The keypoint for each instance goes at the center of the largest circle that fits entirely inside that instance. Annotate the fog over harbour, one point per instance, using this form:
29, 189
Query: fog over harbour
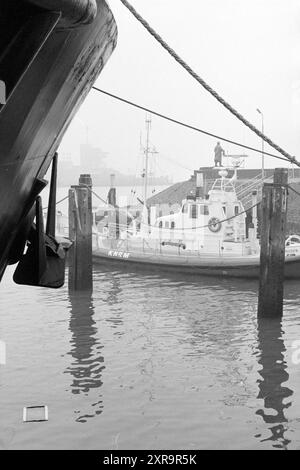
247, 51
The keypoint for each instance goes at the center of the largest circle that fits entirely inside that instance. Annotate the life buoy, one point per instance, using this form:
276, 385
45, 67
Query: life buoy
214, 225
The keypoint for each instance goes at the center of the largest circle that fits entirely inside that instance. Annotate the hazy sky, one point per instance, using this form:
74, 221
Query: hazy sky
248, 50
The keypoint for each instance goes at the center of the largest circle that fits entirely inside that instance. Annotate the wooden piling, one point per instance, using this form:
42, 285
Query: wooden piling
51, 216
254, 212
251, 221
113, 212
86, 181
80, 230
112, 194
272, 254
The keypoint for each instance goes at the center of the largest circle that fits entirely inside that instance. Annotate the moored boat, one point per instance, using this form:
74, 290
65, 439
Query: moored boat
207, 236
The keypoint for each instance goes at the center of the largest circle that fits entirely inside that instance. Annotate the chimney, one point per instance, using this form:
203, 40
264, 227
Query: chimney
199, 185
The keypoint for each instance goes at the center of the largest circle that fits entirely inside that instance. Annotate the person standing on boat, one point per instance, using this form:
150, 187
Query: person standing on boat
219, 152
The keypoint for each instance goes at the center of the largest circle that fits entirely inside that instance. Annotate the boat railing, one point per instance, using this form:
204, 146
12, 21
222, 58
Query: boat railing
247, 198
254, 184
243, 189
223, 184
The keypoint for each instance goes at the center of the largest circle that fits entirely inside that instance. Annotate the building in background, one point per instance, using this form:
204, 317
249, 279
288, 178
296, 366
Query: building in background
92, 161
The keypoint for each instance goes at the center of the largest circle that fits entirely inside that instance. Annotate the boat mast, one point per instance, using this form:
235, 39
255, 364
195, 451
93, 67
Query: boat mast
147, 151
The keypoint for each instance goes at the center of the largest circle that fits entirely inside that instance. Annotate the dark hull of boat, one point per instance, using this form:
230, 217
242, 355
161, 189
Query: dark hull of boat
193, 265
48, 66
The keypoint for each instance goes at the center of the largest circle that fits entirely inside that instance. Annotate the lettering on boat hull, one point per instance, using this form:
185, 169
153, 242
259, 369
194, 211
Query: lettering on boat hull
118, 254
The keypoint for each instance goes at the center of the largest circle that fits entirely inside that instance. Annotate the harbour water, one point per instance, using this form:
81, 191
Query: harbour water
149, 360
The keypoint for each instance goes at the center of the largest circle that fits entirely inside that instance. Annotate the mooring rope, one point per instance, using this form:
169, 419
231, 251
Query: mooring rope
107, 203
188, 126
203, 226
58, 202
155, 226
205, 85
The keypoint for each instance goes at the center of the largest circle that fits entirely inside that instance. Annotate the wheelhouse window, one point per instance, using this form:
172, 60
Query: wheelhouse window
224, 210
193, 211
236, 210
160, 224
204, 210
172, 225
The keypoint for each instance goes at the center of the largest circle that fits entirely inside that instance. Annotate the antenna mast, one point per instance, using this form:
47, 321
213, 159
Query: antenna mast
147, 151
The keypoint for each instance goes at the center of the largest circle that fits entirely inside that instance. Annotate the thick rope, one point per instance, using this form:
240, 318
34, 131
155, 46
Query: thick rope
106, 202
205, 85
188, 126
58, 202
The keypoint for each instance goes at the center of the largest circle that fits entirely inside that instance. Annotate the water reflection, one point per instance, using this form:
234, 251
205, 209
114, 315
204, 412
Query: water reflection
273, 374
88, 363
158, 276
112, 293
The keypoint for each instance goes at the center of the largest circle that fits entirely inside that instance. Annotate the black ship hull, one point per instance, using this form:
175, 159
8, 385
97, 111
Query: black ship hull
49, 60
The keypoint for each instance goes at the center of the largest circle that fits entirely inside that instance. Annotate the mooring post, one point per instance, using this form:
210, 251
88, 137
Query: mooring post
113, 212
272, 251
86, 181
254, 212
251, 227
51, 216
80, 231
